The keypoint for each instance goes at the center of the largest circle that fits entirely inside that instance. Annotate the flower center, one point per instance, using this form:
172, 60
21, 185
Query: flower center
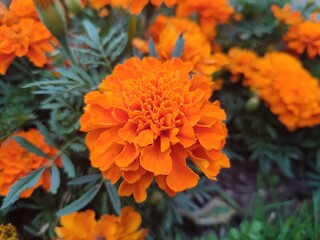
156, 102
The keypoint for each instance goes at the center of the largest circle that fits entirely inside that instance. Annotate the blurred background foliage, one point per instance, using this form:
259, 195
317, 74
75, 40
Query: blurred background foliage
271, 191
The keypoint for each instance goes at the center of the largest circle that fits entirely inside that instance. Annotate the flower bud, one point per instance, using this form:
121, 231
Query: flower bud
52, 15
252, 103
75, 6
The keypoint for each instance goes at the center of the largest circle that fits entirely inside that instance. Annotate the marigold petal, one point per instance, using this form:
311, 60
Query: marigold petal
130, 219
128, 132
212, 137
127, 156
155, 161
104, 160
187, 136
162, 183
181, 177
145, 138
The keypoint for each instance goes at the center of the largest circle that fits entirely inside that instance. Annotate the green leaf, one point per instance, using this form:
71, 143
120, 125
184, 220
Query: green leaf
55, 179
29, 146
80, 202
178, 48
84, 179
152, 48
44, 131
91, 31
68, 165
285, 166
114, 197
22, 184
116, 47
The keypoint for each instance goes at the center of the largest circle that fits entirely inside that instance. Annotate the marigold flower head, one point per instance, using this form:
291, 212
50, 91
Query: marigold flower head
147, 118
210, 12
304, 37
241, 62
134, 6
23, 34
8, 232
83, 226
289, 90
17, 162
285, 15
18, 10
197, 49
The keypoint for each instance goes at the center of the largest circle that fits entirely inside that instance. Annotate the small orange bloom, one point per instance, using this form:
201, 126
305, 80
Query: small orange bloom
146, 119
285, 15
197, 50
210, 13
134, 6
17, 162
241, 62
83, 226
23, 34
287, 88
304, 36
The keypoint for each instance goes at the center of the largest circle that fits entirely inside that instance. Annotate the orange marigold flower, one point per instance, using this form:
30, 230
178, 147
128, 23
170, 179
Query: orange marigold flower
23, 34
289, 90
17, 162
197, 49
285, 15
134, 6
83, 226
18, 10
210, 13
146, 119
304, 37
241, 62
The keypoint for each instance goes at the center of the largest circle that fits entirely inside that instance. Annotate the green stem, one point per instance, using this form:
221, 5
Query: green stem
65, 46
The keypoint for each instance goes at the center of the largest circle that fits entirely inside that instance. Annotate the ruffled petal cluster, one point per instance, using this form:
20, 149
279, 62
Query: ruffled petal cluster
286, 87
23, 34
210, 13
84, 226
241, 63
165, 31
17, 162
146, 119
304, 36
285, 15
134, 6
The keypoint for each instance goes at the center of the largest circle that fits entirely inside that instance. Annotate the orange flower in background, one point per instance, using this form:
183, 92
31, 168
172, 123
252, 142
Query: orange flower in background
17, 162
197, 50
27, 38
288, 89
23, 34
241, 62
304, 36
18, 10
134, 6
83, 226
146, 119
285, 15
210, 13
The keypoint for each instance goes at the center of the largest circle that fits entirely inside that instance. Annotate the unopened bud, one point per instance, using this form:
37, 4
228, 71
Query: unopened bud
52, 15
156, 197
252, 103
75, 6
